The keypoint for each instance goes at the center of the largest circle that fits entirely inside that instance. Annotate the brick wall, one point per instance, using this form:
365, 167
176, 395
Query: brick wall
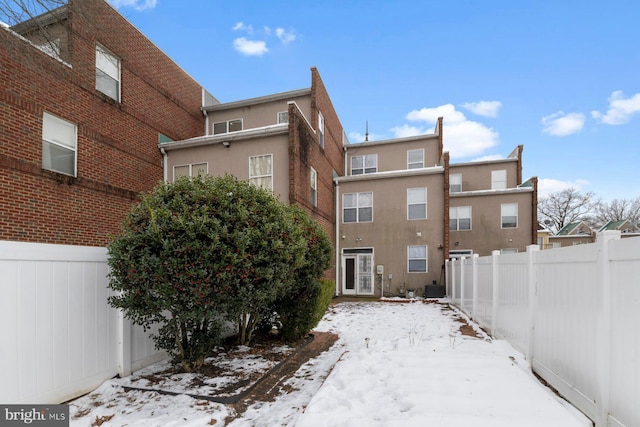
305, 152
117, 155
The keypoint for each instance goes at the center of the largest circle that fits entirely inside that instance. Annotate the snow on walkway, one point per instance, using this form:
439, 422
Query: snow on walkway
407, 365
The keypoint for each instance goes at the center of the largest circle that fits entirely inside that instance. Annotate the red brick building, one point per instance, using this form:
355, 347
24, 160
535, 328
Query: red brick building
82, 110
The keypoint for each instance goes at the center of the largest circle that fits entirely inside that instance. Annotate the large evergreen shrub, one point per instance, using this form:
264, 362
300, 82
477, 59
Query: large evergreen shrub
200, 251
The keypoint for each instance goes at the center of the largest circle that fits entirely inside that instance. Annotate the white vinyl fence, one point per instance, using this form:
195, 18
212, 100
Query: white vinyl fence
574, 312
59, 337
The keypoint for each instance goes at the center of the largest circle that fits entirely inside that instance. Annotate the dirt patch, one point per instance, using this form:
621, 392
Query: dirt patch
465, 328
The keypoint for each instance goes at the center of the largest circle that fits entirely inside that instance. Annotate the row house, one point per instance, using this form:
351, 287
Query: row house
84, 100
404, 209
290, 142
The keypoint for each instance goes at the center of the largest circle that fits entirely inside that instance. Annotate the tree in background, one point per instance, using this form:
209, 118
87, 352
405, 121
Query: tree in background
617, 210
564, 207
201, 251
29, 13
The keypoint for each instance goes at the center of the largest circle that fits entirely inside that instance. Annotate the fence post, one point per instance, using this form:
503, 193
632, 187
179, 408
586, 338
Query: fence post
124, 344
474, 286
531, 279
494, 292
603, 328
462, 280
453, 280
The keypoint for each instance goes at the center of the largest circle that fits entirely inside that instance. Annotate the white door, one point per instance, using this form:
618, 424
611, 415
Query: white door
357, 273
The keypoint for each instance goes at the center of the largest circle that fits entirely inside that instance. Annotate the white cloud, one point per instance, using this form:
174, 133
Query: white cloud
136, 4
355, 137
620, 109
483, 108
488, 158
561, 124
250, 47
547, 186
462, 137
285, 37
240, 26
406, 131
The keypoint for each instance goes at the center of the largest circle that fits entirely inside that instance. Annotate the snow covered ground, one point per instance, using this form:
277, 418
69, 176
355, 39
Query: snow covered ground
394, 365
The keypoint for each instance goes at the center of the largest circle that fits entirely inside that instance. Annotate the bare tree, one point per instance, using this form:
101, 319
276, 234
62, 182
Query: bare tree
13, 12
40, 21
617, 210
564, 207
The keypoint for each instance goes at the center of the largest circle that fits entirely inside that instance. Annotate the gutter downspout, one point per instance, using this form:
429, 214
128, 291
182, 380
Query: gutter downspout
206, 122
164, 163
338, 257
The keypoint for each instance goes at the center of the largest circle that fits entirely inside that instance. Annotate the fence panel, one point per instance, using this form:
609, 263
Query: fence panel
512, 322
60, 337
484, 308
625, 339
564, 344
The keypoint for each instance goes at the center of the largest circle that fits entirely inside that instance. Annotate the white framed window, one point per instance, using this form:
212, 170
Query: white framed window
195, 169
417, 203
227, 126
509, 251
59, 145
320, 129
509, 215
460, 218
499, 180
364, 164
415, 159
261, 171
283, 117
417, 259
357, 207
455, 183
107, 73
314, 186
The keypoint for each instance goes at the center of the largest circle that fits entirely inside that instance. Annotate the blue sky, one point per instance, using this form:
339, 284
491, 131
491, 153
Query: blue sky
560, 77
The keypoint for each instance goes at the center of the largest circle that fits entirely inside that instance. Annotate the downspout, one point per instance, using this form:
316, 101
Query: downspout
206, 122
337, 225
164, 163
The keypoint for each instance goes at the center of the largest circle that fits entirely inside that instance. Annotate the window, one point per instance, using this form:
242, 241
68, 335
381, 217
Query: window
283, 117
195, 169
228, 126
59, 145
460, 218
417, 256
320, 129
509, 213
314, 187
417, 203
107, 73
357, 207
261, 171
364, 164
455, 183
415, 159
499, 180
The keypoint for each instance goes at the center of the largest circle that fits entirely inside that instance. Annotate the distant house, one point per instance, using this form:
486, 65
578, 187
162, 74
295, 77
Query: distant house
574, 233
543, 237
626, 227
84, 100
